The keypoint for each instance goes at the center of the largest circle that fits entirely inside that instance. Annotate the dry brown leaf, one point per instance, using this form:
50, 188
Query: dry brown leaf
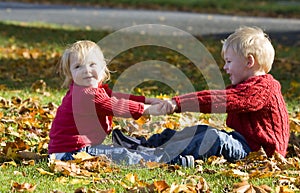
152, 165
242, 187
202, 185
23, 187
160, 185
266, 188
216, 160
180, 188
257, 156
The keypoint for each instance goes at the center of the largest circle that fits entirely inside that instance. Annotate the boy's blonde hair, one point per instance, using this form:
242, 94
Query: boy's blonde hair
251, 40
79, 49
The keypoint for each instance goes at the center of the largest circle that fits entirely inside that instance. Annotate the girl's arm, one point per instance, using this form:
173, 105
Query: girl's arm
106, 105
136, 98
120, 95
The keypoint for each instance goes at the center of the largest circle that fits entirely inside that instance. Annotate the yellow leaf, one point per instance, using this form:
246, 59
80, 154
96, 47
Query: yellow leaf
284, 189
131, 177
171, 124
82, 156
43, 172
5, 164
26, 54
79, 181
143, 119
62, 180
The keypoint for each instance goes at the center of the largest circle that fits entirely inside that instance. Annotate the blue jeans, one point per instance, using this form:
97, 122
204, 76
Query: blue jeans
119, 154
200, 141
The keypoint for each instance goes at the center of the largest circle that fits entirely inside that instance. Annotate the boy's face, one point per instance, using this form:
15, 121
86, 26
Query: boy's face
235, 66
89, 71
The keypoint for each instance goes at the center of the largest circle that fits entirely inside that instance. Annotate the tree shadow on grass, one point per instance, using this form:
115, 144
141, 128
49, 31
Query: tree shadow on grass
30, 53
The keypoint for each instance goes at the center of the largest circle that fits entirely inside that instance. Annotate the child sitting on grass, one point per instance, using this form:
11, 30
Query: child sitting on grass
255, 107
84, 118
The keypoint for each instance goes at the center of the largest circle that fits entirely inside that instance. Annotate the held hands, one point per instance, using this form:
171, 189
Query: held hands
152, 101
160, 107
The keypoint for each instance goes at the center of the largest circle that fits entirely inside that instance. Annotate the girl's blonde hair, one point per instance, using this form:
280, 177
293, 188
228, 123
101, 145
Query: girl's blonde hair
253, 41
79, 49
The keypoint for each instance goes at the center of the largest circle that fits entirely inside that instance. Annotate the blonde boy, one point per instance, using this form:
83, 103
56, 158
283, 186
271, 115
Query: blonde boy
253, 102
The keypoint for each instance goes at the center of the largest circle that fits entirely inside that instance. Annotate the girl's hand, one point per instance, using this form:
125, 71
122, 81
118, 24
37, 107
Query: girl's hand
152, 101
162, 108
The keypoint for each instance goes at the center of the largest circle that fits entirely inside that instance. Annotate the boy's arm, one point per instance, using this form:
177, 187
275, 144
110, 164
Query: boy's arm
245, 97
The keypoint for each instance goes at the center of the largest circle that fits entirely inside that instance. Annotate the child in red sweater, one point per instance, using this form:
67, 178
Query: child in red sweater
254, 104
84, 118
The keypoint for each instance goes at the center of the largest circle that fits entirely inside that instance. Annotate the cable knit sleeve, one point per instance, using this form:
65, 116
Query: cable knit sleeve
250, 95
123, 95
112, 106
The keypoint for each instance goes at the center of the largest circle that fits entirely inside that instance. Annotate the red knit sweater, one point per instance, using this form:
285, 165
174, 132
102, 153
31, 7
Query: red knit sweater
85, 116
255, 108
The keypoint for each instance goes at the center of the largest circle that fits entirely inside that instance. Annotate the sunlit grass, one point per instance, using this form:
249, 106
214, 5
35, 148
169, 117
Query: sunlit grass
48, 39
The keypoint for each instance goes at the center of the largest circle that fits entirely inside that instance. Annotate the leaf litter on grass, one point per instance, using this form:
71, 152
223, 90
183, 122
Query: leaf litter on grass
25, 123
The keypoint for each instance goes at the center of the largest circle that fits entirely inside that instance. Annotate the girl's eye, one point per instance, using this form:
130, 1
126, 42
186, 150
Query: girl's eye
93, 64
77, 66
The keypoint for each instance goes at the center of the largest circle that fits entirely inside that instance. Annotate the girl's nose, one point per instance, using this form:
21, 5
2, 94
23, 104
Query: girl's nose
225, 67
86, 69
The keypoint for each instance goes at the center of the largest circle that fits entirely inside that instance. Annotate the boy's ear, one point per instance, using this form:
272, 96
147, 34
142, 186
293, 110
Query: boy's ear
250, 61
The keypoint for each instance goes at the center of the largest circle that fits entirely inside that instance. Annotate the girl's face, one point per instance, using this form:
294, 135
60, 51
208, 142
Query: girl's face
235, 66
88, 71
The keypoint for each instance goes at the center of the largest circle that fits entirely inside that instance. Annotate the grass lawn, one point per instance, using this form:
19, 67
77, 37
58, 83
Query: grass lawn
29, 52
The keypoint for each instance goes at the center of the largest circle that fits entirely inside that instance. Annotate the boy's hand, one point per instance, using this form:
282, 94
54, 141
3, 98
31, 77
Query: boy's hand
170, 106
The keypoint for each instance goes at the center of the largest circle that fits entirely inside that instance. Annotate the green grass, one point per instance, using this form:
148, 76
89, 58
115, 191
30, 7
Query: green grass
19, 73
46, 183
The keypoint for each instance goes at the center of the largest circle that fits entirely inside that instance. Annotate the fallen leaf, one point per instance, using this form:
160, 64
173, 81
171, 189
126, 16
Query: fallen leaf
23, 187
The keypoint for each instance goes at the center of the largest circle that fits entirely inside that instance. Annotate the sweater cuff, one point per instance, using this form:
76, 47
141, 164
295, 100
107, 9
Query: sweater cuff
177, 100
136, 111
140, 99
